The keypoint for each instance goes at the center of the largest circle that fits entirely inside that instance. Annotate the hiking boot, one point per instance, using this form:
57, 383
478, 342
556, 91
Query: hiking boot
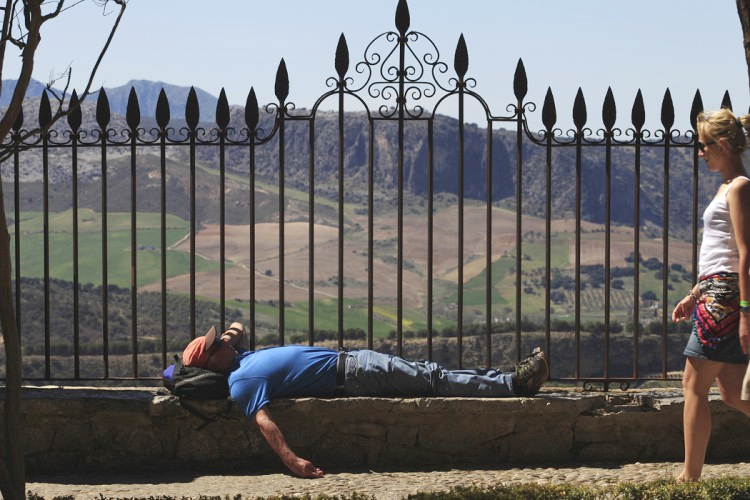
530, 374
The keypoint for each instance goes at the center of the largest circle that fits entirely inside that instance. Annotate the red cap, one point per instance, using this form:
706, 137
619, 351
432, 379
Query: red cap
196, 353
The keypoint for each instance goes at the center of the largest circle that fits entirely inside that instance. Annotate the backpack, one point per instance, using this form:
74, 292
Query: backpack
197, 384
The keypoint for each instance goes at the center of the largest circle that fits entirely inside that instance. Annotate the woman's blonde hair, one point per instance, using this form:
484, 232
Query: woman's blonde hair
723, 124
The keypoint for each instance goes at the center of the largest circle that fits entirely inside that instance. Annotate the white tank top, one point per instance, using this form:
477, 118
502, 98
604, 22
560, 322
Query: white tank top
718, 249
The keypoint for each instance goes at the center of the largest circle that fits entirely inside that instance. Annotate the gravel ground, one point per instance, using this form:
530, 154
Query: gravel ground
386, 485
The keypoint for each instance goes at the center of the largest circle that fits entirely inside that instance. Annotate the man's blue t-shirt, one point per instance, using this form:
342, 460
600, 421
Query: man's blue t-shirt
282, 372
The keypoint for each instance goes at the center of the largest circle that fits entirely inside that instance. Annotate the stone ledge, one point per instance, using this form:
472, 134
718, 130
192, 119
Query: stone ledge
124, 429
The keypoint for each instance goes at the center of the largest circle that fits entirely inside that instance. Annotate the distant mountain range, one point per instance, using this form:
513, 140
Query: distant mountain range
147, 92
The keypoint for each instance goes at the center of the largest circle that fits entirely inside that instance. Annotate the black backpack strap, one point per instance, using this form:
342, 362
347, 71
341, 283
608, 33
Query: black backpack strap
206, 418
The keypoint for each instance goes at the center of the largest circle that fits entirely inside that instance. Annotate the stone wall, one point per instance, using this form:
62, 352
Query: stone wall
82, 429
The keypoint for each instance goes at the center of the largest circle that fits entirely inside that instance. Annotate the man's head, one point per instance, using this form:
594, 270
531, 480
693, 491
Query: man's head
210, 352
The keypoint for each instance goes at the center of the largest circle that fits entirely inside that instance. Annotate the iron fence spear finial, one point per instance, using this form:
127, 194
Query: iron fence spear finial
520, 84
726, 102
667, 111
549, 113
281, 89
133, 111
222, 111
638, 115
45, 111
102, 110
252, 114
342, 58
162, 110
192, 112
696, 110
461, 59
75, 117
579, 110
402, 17
609, 111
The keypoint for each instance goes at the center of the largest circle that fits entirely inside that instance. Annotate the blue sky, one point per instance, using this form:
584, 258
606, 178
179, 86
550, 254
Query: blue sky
653, 45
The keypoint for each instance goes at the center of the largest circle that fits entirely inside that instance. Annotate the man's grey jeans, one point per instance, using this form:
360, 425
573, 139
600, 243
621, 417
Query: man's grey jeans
370, 373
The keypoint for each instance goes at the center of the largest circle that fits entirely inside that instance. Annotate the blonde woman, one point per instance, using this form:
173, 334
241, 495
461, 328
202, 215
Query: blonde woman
720, 340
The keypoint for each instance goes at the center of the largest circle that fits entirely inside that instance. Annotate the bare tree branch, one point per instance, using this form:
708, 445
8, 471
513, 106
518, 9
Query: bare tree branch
55, 13
16, 18
14, 466
122, 4
34, 21
7, 26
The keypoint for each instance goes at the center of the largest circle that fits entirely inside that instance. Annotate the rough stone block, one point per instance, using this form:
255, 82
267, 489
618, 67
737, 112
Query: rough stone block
136, 429
402, 435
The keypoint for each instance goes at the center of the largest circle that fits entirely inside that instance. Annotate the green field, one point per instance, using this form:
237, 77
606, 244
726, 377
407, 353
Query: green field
148, 244
355, 317
533, 266
445, 295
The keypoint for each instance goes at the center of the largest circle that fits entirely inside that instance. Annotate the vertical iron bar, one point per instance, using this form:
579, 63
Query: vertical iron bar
607, 246
488, 281
45, 203
251, 264
341, 221
460, 284
76, 306
548, 247
311, 238
637, 254
430, 229
579, 166
370, 232
191, 136
163, 237
401, 103
665, 259
222, 229
105, 270
282, 249
133, 256
519, 211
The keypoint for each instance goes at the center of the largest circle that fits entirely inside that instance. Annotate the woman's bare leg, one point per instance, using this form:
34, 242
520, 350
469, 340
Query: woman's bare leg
696, 382
730, 384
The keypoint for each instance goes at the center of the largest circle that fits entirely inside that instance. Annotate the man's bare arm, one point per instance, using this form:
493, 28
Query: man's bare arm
275, 439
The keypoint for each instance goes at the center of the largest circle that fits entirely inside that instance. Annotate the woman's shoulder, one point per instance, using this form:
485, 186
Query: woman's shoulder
740, 183
739, 190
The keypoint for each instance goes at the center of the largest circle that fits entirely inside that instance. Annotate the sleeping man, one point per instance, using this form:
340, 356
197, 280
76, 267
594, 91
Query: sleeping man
258, 377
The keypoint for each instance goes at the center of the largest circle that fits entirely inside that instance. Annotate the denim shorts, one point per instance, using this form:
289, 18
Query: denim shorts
726, 352
716, 321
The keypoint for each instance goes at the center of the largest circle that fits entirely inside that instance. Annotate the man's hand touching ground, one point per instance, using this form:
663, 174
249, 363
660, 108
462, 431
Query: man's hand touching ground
303, 468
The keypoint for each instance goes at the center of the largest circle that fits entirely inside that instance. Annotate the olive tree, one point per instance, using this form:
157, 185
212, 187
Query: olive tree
22, 27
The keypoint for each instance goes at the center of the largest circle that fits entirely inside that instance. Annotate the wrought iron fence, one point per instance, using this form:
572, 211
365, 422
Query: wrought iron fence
394, 101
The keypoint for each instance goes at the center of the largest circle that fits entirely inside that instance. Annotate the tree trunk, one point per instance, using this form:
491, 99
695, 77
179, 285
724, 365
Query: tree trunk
12, 470
743, 10
12, 466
